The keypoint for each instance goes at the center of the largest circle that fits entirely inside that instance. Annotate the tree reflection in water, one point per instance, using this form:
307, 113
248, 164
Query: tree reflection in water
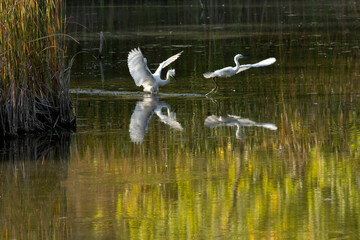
31, 171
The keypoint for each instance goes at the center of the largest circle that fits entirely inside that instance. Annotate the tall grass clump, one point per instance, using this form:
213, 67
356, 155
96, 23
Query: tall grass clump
35, 77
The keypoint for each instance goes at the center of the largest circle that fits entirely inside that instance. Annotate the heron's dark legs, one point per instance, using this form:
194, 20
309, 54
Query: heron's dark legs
216, 84
214, 90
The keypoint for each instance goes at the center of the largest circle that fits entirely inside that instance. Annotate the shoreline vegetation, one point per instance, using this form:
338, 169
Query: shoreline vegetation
34, 68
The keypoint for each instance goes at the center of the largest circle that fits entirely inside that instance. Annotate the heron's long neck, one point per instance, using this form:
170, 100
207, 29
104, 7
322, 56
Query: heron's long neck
237, 64
166, 81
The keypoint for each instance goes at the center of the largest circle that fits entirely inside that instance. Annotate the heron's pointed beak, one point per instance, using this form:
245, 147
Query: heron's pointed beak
175, 78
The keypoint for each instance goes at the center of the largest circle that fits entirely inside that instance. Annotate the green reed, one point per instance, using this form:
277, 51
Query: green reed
34, 86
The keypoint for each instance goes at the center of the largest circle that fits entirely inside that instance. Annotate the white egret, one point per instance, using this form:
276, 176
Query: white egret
143, 77
231, 71
142, 114
232, 120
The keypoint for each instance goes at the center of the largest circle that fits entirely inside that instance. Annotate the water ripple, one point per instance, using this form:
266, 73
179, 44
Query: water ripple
98, 92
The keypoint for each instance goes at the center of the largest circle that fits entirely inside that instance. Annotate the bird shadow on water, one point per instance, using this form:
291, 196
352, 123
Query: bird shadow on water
143, 112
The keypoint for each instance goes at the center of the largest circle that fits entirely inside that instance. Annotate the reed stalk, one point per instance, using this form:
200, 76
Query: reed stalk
35, 76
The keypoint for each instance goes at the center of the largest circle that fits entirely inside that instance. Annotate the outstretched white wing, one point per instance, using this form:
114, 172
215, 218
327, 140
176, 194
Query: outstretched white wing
138, 68
262, 63
166, 63
222, 73
210, 75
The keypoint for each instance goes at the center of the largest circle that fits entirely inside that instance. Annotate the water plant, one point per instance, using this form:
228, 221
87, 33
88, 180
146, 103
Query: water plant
34, 68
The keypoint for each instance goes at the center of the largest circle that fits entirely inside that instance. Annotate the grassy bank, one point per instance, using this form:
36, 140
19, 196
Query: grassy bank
35, 72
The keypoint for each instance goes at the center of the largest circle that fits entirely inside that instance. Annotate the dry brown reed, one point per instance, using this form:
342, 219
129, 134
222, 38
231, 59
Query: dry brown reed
34, 86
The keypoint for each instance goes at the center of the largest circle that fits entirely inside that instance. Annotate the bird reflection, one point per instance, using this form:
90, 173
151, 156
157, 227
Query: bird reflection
143, 112
232, 120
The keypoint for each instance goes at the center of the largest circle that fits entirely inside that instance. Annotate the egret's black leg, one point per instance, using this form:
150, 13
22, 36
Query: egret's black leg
216, 84
214, 89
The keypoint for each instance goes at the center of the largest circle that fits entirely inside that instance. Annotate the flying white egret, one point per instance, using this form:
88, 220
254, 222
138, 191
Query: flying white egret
143, 77
232, 120
142, 114
231, 71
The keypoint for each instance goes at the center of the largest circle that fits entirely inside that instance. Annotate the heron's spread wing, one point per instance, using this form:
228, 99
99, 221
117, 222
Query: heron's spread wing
209, 75
221, 73
138, 68
242, 69
262, 63
167, 62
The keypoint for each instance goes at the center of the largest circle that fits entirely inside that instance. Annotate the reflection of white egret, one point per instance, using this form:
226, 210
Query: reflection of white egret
231, 71
232, 120
140, 118
143, 77
170, 118
142, 114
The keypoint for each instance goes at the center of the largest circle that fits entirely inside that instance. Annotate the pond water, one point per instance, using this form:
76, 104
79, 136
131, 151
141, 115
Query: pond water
274, 154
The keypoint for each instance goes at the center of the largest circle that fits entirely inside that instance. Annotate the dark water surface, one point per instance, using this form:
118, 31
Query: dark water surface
274, 154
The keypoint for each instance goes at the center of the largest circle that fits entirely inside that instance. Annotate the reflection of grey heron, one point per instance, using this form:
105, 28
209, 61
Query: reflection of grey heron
232, 120
231, 71
142, 114
143, 77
